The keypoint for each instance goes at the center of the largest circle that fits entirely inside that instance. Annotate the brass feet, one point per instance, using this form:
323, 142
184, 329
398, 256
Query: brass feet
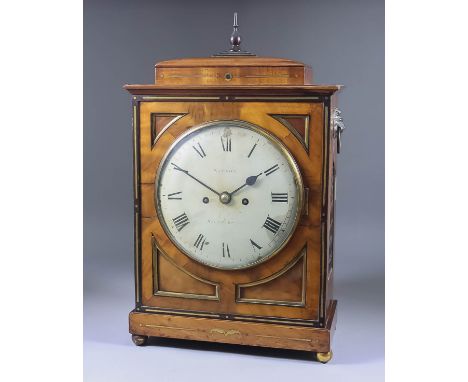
139, 340
324, 357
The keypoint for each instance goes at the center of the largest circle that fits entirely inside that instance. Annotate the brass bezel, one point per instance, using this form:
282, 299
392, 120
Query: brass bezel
276, 142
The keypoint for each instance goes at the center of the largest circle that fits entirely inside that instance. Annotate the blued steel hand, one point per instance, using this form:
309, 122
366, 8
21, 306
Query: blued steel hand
198, 180
250, 181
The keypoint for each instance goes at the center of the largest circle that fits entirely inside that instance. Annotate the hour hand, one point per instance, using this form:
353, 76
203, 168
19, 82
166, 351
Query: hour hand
250, 181
198, 180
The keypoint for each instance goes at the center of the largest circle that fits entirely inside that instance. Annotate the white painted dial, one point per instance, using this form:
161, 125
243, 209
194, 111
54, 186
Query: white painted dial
229, 195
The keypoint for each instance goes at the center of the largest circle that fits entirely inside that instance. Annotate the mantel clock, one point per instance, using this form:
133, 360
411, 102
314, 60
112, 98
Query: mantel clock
234, 184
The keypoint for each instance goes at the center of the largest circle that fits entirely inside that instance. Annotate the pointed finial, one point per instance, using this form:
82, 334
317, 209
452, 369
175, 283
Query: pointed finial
235, 36
235, 41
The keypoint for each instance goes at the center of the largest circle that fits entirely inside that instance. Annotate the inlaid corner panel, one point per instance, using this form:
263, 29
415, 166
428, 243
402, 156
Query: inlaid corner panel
286, 287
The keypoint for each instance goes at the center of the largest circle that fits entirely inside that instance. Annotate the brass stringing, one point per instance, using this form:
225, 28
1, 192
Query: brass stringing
156, 135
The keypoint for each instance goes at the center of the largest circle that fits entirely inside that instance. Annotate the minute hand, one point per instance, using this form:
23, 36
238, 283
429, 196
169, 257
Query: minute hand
198, 180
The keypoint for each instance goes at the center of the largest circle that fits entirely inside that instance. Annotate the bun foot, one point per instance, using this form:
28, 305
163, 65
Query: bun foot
324, 357
139, 340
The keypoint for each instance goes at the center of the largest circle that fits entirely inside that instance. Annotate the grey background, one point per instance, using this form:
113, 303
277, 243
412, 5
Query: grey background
344, 43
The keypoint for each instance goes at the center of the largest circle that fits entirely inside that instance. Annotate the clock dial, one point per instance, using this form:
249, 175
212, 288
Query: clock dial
229, 194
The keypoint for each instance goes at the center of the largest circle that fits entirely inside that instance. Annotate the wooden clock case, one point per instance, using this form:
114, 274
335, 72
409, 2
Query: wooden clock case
285, 302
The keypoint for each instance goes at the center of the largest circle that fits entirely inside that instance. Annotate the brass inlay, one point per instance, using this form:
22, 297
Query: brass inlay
283, 119
302, 255
232, 76
266, 98
178, 97
148, 309
167, 327
137, 215
253, 318
188, 76
175, 118
266, 76
288, 338
323, 227
135, 153
276, 321
226, 333
325, 154
246, 98
157, 292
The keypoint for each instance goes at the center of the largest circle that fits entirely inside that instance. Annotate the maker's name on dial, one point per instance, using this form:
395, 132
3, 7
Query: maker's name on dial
222, 221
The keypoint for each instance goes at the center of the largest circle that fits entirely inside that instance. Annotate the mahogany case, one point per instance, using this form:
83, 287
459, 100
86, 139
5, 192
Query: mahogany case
285, 302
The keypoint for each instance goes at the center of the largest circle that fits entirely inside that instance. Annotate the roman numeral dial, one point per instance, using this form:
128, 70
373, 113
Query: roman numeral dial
226, 143
200, 242
181, 221
252, 149
254, 244
279, 197
271, 170
227, 194
175, 196
226, 252
199, 150
272, 225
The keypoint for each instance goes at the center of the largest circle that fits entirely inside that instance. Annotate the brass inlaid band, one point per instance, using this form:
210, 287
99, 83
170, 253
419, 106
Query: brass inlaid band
323, 276
227, 333
167, 327
188, 76
177, 98
288, 338
312, 323
266, 98
325, 154
148, 309
266, 76
136, 214
217, 76
277, 321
